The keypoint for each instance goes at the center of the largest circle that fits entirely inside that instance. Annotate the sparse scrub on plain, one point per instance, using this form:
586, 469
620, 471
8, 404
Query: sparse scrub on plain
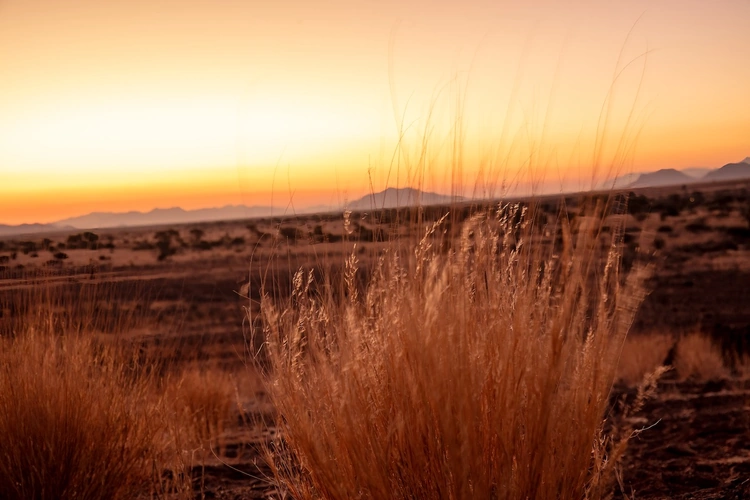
480, 372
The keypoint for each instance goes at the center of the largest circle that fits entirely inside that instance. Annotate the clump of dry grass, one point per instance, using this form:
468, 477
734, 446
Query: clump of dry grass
641, 355
203, 401
76, 420
696, 356
481, 372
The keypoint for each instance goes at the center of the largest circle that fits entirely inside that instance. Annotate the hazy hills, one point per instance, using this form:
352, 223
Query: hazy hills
663, 177
388, 198
156, 217
6, 230
160, 216
392, 198
672, 177
730, 172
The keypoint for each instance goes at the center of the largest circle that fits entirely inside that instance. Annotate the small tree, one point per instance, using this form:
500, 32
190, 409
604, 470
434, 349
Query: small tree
164, 243
196, 235
92, 240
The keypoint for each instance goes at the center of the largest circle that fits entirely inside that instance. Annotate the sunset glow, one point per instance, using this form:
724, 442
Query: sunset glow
117, 106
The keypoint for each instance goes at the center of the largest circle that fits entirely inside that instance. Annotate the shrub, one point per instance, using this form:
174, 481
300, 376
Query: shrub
28, 247
698, 227
638, 204
197, 234
204, 245
709, 246
738, 233
292, 233
483, 372
143, 245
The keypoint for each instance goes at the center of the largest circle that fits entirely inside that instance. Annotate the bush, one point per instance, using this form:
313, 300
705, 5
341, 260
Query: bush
292, 233
143, 245
738, 233
483, 372
698, 227
709, 246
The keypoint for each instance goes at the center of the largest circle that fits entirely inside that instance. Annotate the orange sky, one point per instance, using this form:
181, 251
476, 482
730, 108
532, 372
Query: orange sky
132, 105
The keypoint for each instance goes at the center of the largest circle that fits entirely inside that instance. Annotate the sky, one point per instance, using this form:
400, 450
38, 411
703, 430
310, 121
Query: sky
139, 104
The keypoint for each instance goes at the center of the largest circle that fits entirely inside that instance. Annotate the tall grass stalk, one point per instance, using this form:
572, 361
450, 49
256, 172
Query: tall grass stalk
480, 372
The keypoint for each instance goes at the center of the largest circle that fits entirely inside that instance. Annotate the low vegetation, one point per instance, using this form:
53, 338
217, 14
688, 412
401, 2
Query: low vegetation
642, 355
76, 420
483, 372
696, 356
85, 414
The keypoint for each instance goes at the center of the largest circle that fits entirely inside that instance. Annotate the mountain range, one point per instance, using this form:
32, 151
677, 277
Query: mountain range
672, 177
388, 198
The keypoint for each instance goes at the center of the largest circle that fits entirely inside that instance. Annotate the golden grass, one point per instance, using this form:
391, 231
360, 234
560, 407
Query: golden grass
204, 402
697, 356
76, 420
481, 372
641, 355
82, 414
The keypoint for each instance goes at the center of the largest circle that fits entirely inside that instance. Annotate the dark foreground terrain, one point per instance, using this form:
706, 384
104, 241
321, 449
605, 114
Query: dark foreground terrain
696, 446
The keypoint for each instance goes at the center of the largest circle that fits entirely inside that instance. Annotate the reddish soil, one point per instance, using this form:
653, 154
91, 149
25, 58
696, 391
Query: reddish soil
697, 443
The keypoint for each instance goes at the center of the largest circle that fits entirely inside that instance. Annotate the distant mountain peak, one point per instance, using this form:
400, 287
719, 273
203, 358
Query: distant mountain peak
730, 171
663, 177
399, 197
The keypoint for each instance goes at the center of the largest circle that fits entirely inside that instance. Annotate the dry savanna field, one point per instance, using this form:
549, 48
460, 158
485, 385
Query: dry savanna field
556, 347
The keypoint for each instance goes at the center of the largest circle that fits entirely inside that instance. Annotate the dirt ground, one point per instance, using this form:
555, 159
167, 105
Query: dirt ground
192, 297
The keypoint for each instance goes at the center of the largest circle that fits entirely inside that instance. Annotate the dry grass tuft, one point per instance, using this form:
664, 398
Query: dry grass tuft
696, 356
481, 372
642, 355
204, 402
76, 420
